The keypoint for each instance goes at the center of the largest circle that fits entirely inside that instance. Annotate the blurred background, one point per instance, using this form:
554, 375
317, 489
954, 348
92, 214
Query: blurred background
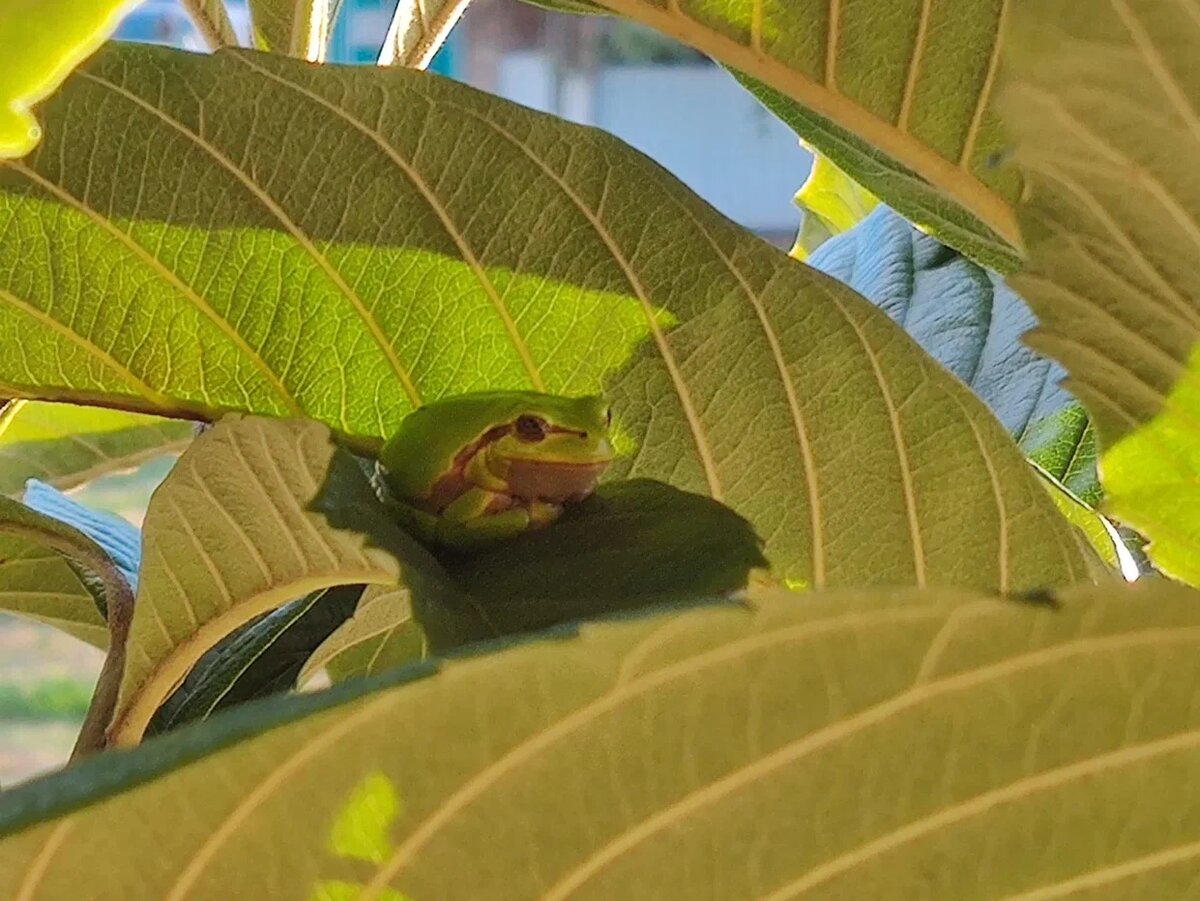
668, 101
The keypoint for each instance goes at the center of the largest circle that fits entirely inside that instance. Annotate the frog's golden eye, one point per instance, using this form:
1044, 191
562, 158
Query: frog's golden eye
531, 428
608, 416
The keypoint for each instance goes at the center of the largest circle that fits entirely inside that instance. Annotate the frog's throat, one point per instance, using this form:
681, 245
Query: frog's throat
534, 480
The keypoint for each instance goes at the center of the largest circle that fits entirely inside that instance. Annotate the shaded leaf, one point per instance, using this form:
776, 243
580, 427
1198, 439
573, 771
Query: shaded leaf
381, 634
263, 657
65, 445
53, 572
1110, 226
631, 544
919, 733
444, 241
970, 322
230, 535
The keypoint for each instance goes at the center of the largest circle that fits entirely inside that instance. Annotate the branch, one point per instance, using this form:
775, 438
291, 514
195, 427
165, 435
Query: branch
93, 733
414, 36
212, 22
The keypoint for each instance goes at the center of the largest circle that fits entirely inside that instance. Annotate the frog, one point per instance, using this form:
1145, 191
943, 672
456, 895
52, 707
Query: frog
472, 469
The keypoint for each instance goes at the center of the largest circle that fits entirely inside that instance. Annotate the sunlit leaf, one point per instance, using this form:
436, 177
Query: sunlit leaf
834, 746
830, 202
436, 240
1105, 98
41, 41
65, 445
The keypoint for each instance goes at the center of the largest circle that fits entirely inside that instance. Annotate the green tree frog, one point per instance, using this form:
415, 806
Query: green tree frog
479, 467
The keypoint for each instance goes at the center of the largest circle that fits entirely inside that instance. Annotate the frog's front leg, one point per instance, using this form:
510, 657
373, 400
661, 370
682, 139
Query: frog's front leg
466, 521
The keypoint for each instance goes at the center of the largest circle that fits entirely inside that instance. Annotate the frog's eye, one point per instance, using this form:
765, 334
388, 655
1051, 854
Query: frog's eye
531, 428
608, 416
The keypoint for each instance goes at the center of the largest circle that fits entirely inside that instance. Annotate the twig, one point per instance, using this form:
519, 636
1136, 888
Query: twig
119, 600
212, 21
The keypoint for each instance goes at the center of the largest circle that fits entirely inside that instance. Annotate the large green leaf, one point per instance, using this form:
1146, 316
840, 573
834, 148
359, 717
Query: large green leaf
40, 42
831, 747
436, 240
230, 535
1111, 227
54, 573
899, 94
66, 445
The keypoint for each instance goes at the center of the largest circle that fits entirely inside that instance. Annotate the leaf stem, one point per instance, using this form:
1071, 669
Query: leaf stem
93, 733
212, 22
413, 38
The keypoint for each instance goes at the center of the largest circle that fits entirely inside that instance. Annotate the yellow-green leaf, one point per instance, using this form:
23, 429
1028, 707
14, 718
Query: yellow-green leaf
846, 746
230, 535
898, 94
1105, 100
831, 202
65, 445
381, 634
345, 242
41, 41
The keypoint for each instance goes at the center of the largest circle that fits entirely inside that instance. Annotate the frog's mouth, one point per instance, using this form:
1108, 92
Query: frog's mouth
551, 482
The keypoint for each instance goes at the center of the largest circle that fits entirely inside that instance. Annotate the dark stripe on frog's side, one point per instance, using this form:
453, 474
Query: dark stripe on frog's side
562, 481
451, 486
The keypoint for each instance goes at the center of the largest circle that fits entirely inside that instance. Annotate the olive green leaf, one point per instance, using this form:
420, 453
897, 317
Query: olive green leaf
841, 745
65, 445
830, 202
23, 529
384, 265
54, 573
381, 634
1111, 229
230, 535
41, 41
972, 323
299, 28
899, 95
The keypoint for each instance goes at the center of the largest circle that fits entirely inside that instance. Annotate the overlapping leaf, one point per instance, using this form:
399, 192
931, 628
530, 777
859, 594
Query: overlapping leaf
65, 445
434, 240
970, 322
1107, 102
900, 95
230, 535
54, 573
381, 634
822, 747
